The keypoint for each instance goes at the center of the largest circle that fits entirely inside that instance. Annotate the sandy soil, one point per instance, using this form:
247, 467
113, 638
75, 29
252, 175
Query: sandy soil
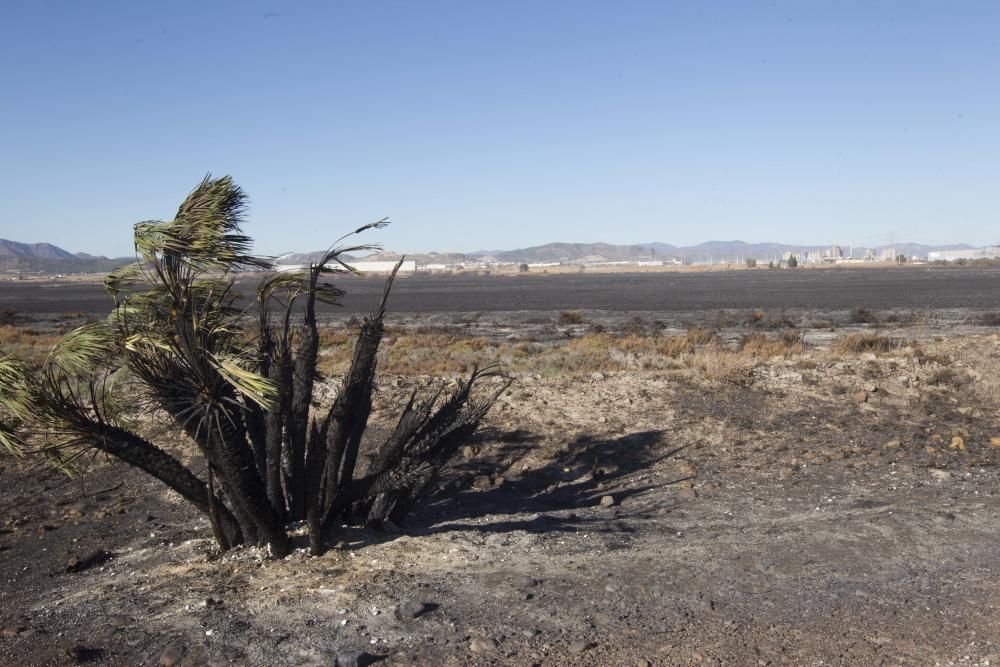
809, 511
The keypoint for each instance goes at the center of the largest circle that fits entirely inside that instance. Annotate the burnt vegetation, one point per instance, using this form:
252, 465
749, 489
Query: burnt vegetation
238, 382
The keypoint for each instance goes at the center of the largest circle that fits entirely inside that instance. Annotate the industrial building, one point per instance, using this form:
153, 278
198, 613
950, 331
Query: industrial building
992, 252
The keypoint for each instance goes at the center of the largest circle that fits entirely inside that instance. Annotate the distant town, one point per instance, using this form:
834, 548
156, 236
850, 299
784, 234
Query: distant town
833, 255
39, 260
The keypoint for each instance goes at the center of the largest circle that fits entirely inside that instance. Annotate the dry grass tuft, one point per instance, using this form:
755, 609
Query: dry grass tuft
444, 352
430, 351
25, 343
858, 343
948, 377
758, 345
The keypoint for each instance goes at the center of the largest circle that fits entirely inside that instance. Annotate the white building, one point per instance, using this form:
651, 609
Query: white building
408, 266
991, 252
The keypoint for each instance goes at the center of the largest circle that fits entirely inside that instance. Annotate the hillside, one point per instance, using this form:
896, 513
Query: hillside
46, 258
33, 250
703, 252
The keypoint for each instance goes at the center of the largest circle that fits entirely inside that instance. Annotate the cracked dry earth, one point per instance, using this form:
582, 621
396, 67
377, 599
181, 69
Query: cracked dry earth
780, 517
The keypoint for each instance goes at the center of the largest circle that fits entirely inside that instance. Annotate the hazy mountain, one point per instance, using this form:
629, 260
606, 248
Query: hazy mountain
575, 252
423, 257
33, 250
608, 252
296, 258
703, 252
301, 258
732, 250
46, 258
563, 252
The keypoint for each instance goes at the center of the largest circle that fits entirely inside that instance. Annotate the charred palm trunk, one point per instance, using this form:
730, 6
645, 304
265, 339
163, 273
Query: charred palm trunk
347, 421
235, 463
302, 387
234, 501
255, 423
339, 437
425, 439
148, 457
275, 435
316, 453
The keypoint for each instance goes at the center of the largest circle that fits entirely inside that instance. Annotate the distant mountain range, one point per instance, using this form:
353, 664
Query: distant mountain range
37, 250
296, 258
47, 258
703, 252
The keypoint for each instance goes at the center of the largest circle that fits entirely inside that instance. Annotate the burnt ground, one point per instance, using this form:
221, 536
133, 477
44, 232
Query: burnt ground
909, 288
773, 517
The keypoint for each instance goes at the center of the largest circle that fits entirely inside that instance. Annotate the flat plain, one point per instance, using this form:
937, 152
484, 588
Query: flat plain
916, 288
728, 468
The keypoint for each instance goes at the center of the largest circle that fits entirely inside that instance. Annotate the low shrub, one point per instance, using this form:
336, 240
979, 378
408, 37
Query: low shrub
948, 377
634, 327
857, 343
571, 317
862, 315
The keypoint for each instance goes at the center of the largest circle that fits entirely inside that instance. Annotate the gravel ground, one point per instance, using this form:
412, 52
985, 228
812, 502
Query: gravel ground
811, 511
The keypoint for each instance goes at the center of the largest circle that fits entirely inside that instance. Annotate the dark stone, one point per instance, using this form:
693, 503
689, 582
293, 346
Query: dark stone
354, 659
412, 609
172, 656
81, 563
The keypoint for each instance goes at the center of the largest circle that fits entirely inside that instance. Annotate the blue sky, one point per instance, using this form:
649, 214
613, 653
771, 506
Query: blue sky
482, 125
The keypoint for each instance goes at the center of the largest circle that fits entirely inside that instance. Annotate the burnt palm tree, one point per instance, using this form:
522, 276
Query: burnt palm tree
237, 382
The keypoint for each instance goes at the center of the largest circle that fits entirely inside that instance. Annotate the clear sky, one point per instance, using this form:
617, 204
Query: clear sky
495, 125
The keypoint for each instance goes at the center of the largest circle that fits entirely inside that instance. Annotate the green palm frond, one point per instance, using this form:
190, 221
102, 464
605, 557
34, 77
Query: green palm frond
205, 234
10, 441
115, 395
144, 342
15, 388
85, 350
148, 239
63, 457
206, 230
122, 279
15, 403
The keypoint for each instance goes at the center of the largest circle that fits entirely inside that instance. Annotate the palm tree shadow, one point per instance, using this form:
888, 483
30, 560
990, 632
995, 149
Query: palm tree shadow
564, 493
